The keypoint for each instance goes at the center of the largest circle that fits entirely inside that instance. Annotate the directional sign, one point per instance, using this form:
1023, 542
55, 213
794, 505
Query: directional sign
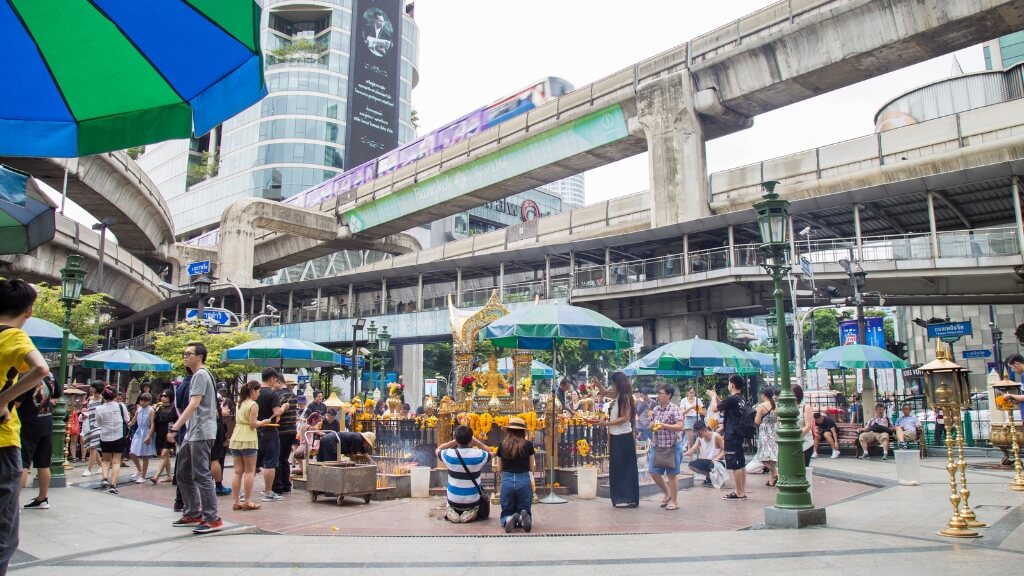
214, 315
950, 330
983, 353
430, 386
197, 268
805, 266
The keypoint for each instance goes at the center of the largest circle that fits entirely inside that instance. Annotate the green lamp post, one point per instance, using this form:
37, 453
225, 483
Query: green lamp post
773, 223
371, 343
383, 344
72, 277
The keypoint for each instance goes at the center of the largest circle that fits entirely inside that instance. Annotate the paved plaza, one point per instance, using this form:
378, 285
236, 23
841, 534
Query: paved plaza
873, 525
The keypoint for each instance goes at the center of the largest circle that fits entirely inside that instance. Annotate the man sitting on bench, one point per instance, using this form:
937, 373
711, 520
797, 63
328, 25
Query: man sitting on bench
876, 431
907, 428
828, 431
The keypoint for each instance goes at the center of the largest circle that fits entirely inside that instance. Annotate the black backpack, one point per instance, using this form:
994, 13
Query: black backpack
748, 425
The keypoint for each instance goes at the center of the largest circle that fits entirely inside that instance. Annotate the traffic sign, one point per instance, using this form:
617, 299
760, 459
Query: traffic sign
214, 315
197, 268
950, 330
983, 353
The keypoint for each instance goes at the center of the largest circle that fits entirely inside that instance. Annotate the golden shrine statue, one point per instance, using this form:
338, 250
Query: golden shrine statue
492, 382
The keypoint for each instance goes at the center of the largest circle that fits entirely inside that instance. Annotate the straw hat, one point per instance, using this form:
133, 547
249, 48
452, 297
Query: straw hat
515, 423
370, 438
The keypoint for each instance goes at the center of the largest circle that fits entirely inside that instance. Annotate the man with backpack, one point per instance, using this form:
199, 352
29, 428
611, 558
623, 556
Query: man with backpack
738, 426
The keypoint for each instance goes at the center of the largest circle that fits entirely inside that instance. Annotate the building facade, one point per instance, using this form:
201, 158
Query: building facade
1004, 52
316, 55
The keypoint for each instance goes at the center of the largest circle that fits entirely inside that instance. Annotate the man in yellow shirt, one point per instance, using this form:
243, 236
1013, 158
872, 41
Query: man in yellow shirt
17, 355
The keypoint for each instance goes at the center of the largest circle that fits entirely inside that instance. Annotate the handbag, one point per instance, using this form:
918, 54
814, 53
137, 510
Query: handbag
483, 510
880, 429
124, 421
665, 457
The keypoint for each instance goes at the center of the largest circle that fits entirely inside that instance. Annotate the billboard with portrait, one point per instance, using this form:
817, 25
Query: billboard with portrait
374, 78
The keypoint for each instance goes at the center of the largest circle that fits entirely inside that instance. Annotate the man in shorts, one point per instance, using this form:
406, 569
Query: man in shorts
907, 427
827, 431
270, 409
36, 441
731, 410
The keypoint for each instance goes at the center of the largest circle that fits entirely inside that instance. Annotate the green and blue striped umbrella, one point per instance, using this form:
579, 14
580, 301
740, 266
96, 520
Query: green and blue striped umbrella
853, 356
696, 354
25, 222
283, 353
126, 360
88, 76
48, 337
538, 369
540, 327
764, 362
634, 369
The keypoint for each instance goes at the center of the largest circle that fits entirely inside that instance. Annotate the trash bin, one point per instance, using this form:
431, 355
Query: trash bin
908, 467
420, 481
586, 483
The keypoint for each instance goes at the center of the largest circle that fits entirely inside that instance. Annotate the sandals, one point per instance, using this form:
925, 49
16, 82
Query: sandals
671, 507
665, 502
772, 482
251, 506
733, 496
236, 506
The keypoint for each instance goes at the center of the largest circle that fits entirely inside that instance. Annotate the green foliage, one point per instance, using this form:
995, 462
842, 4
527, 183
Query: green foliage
826, 327
135, 151
303, 47
49, 307
437, 359
170, 346
200, 168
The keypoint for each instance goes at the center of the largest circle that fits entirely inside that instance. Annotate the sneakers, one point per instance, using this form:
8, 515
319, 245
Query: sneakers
271, 497
525, 520
835, 455
223, 491
87, 473
814, 454
902, 446
112, 490
885, 456
207, 527
105, 484
510, 523
37, 504
862, 457
707, 483
133, 477
140, 480
186, 521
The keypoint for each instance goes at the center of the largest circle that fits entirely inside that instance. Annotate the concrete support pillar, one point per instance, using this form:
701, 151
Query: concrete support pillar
675, 142
1015, 189
794, 255
932, 226
263, 304
419, 292
409, 364
607, 266
353, 310
572, 274
319, 295
383, 296
501, 282
291, 302
856, 231
547, 276
458, 287
686, 253
145, 327
732, 246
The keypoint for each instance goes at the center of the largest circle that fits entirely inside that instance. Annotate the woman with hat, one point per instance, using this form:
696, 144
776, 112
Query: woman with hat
623, 478
348, 443
516, 464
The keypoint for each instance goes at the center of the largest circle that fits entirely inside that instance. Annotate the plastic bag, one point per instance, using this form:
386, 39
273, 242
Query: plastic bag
754, 466
718, 474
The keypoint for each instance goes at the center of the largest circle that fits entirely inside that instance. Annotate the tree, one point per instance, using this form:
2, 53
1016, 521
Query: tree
84, 315
437, 359
300, 49
826, 328
170, 346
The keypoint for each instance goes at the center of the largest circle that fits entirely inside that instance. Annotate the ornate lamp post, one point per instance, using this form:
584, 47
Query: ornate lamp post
371, 344
773, 223
201, 289
72, 277
356, 327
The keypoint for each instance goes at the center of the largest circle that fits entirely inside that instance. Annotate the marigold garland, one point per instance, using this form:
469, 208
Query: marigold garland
583, 447
1005, 403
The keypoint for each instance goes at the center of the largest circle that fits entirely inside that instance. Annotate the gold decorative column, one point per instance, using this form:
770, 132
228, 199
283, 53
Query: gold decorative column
1009, 405
945, 383
966, 513
1017, 483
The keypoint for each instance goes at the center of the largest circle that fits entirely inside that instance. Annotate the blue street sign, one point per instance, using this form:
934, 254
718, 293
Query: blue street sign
214, 315
874, 332
197, 268
303, 378
805, 266
983, 353
950, 329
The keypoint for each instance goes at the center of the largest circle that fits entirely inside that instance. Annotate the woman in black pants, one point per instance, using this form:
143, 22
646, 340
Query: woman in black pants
623, 479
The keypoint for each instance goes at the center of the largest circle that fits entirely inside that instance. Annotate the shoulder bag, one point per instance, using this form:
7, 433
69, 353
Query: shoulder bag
483, 511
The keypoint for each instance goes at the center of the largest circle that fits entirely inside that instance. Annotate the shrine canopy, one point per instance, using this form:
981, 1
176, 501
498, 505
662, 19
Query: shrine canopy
542, 326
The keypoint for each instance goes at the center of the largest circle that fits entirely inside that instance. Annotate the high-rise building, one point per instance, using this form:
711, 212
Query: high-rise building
1004, 52
340, 75
571, 190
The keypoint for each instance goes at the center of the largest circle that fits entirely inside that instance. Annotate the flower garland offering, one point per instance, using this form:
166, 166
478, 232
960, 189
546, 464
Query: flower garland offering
1005, 403
583, 447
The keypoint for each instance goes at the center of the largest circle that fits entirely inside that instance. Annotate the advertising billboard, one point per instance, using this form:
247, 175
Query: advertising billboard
374, 77
874, 332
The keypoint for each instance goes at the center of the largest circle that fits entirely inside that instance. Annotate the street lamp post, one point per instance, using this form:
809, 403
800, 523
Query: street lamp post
72, 277
355, 365
793, 503
371, 345
383, 343
201, 289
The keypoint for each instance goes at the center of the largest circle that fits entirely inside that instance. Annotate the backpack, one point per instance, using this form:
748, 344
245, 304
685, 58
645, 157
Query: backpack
748, 426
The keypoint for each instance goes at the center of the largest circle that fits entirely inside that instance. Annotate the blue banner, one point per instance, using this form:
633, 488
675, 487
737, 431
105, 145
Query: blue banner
874, 332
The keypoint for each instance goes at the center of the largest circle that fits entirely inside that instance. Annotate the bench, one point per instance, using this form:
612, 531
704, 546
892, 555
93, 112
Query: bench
848, 434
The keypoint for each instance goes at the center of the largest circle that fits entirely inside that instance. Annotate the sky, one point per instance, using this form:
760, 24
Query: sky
473, 52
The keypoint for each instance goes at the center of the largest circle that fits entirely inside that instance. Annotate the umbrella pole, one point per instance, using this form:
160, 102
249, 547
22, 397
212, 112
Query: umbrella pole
552, 498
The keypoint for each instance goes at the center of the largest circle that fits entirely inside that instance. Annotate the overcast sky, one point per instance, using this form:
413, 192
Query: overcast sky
473, 52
